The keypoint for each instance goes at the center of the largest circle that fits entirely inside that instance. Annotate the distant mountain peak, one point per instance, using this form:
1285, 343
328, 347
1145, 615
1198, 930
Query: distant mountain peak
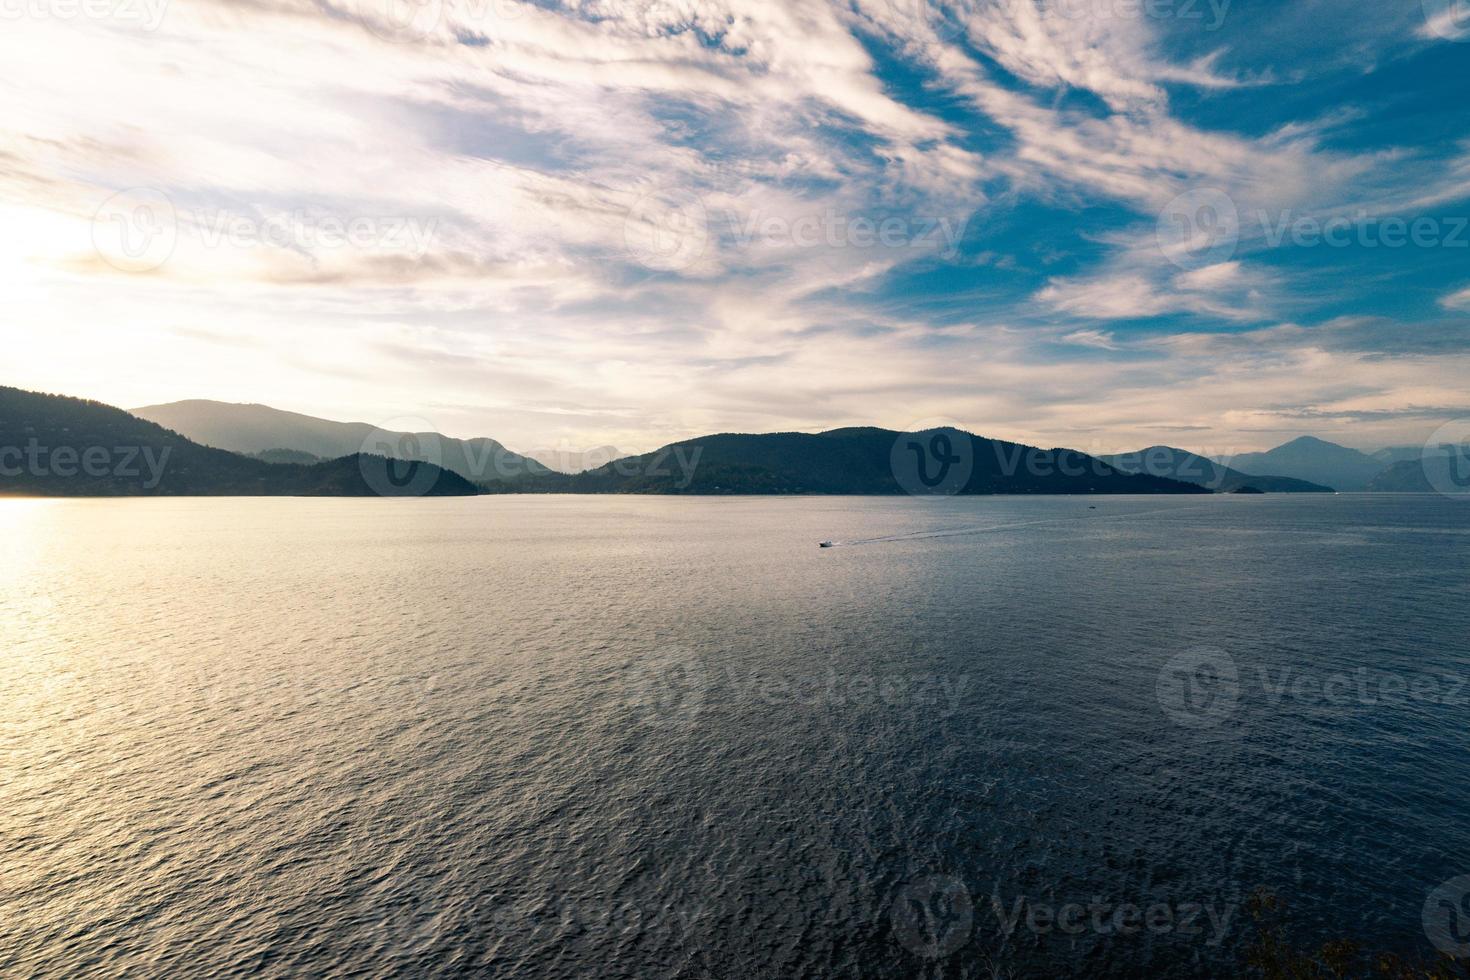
252, 429
1313, 459
1313, 441
122, 454
1181, 464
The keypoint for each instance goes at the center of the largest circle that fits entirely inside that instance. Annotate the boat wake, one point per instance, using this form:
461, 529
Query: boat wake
949, 532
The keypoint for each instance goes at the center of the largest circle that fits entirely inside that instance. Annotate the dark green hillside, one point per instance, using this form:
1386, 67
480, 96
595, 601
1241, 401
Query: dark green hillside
295, 456
52, 445
850, 461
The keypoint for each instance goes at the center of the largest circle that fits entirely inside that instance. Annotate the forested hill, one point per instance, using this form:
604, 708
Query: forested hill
53, 445
851, 461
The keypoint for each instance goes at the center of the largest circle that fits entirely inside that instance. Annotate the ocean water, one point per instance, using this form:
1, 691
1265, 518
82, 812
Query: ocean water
655, 737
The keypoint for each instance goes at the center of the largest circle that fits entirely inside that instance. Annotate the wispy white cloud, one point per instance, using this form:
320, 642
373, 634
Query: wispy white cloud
637, 219
1101, 339
1459, 300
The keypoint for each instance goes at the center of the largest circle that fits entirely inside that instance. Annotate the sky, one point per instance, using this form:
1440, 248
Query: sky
1104, 224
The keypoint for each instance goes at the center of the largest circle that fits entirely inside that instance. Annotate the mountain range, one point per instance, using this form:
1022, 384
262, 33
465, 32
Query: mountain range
43, 436
224, 448
1302, 466
52, 445
1180, 464
1312, 459
1438, 471
862, 460
272, 434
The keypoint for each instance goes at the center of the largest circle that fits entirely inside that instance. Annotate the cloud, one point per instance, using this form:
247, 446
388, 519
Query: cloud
1444, 20
1114, 298
1210, 277
644, 221
1140, 285
1459, 300
1100, 339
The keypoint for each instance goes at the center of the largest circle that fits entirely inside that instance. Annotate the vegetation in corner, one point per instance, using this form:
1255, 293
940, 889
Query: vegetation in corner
1274, 956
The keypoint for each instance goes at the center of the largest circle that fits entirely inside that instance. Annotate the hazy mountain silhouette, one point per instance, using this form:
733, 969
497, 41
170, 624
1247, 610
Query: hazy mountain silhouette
1442, 471
52, 445
1398, 454
851, 461
286, 456
567, 461
260, 428
1180, 464
1311, 459
55, 445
